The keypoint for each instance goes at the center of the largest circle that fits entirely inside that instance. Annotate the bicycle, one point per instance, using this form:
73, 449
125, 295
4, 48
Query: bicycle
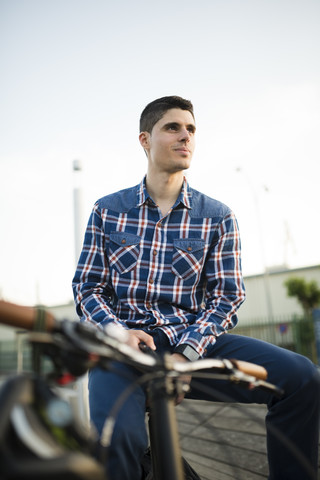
39, 437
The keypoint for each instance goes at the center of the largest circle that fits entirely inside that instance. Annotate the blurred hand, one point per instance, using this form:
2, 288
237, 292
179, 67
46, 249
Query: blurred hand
135, 337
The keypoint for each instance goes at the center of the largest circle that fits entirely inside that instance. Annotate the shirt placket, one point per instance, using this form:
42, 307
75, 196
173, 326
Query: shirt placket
154, 264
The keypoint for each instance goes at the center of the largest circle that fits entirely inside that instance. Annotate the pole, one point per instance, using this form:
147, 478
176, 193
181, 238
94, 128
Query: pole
82, 383
78, 209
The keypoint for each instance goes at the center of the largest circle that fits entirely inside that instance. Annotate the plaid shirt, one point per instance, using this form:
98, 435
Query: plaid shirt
180, 273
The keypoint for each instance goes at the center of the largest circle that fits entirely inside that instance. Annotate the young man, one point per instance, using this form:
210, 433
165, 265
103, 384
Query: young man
163, 261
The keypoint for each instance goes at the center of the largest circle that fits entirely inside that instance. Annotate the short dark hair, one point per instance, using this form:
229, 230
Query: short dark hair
155, 110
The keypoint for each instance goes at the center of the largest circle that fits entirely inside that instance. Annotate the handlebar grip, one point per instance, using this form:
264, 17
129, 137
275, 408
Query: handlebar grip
251, 369
24, 317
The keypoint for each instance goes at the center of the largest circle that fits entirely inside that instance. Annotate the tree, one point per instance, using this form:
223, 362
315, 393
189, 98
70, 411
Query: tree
307, 293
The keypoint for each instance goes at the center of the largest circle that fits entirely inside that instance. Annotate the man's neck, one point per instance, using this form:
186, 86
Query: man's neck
164, 189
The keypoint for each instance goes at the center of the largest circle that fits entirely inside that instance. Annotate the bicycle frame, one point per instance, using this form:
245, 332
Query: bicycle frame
164, 439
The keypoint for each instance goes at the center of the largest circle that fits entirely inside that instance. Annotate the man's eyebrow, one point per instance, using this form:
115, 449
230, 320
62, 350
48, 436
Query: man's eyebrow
170, 125
190, 126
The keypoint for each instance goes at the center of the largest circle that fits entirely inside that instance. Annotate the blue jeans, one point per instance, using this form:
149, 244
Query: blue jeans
292, 422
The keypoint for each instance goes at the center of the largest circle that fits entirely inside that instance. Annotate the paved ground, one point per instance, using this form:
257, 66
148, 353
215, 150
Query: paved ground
224, 441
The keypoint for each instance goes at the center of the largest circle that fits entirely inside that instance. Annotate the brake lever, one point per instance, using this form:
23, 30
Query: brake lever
269, 387
249, 381
145, 349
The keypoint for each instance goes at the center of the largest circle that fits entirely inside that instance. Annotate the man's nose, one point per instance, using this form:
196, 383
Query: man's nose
185, 134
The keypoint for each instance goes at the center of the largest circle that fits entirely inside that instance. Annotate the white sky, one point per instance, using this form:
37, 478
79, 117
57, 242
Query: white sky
75, 76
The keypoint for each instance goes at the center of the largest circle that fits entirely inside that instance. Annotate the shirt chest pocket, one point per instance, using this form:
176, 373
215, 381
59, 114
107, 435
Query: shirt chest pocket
187, 258
124, 251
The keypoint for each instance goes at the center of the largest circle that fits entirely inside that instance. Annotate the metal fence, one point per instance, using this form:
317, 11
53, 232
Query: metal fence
15, 355
294, 333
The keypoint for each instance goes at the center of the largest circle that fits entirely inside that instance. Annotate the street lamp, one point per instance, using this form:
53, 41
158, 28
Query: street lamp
261, 242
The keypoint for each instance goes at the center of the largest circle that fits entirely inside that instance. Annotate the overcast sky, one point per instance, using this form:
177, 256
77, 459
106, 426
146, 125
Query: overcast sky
75, 76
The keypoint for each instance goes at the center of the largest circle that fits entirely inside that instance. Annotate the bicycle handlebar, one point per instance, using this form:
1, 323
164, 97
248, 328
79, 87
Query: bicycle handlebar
100, 346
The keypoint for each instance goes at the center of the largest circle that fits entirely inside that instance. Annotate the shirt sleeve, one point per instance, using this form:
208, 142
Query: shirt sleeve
91, 290
225, 290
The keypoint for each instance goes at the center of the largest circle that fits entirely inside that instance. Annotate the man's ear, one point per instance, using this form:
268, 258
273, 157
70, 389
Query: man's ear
144, 139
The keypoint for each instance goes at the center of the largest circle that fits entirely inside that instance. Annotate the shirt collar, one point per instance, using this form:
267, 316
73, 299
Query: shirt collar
143, 195
185, 196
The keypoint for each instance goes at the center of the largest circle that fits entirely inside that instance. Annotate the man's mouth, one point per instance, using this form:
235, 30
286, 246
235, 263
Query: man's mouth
182, 150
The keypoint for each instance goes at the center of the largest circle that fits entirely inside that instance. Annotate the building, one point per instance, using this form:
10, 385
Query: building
267, 296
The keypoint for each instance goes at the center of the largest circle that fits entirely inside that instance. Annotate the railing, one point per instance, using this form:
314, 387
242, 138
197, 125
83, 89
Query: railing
294, 333
15, 355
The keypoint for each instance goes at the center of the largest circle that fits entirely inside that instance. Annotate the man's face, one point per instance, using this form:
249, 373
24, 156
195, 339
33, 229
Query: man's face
171, 143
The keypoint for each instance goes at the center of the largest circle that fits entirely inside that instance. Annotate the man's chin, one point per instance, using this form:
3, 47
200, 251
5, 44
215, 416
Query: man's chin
177, 169
184, 164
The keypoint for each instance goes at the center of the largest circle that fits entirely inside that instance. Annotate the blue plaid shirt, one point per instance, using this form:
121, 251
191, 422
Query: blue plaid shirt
180, 273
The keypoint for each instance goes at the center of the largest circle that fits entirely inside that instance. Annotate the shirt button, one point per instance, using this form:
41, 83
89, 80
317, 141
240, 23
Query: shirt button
123, 240
151, 281
189, 249
155, 253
